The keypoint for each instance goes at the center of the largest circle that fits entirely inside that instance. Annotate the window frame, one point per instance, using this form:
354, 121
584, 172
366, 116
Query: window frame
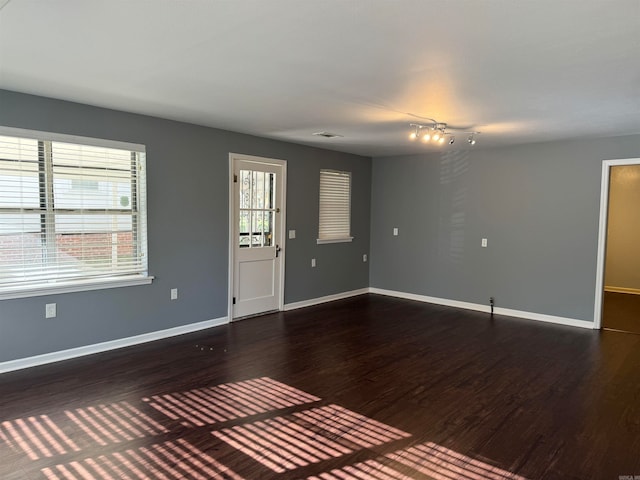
12, 291
334, 239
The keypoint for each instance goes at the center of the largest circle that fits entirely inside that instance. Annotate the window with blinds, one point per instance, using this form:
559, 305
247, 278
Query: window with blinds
335, 207
70, 212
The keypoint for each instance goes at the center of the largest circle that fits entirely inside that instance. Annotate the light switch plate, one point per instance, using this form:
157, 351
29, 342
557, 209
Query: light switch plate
395, 231
50, 310
174, 294
292, 234
484, 242
313, 262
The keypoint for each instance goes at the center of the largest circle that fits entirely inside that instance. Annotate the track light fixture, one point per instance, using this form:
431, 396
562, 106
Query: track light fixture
437, 131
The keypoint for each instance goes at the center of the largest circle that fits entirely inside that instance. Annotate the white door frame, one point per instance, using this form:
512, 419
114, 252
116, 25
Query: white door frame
602, 233
281, 228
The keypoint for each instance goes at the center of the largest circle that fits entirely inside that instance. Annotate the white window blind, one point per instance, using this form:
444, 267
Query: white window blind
335, 207
70, 212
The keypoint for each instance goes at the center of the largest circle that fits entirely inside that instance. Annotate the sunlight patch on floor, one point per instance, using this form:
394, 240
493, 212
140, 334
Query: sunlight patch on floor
229, 401
37, 437
169, 460
297, 440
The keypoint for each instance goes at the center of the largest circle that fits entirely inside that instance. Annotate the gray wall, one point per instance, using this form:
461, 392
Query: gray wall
187, 175
538, 206
623, 228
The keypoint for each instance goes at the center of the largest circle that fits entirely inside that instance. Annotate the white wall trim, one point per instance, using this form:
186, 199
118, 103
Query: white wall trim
328, 298
633, 291
61, 355
52, 357
602, 233
540, 317
74, 286
321, 241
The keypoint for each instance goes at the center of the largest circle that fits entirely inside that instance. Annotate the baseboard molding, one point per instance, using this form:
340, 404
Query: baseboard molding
633, 291
52, 357
328, 298
540, 317
61, 355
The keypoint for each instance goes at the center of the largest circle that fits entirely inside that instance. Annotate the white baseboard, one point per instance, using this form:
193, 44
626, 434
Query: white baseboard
52, 357
540, 317
633, 291
328, 298
110, 345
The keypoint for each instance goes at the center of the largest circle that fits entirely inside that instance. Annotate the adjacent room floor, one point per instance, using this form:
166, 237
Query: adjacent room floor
621, 311
370, 387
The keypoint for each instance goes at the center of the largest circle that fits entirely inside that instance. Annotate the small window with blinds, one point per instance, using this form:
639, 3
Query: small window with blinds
335, 207
72, 214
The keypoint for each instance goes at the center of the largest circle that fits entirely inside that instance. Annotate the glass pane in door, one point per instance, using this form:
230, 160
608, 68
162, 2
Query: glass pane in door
257, 209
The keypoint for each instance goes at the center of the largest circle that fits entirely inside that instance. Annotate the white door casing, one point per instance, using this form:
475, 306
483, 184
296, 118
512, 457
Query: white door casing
257, 227
602, 233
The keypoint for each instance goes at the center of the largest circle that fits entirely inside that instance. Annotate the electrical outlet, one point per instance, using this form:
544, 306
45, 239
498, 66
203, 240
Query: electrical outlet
313, 262
364, 257
174, 294
484, 243
50, 310
395, 231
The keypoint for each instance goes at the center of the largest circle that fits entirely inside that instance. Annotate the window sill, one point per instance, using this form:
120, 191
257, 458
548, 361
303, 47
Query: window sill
334, 240
72, 286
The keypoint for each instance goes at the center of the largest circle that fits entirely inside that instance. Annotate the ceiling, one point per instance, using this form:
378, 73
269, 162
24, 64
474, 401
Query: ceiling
517, 71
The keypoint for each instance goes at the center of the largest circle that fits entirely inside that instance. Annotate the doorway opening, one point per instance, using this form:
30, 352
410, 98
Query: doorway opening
617, 304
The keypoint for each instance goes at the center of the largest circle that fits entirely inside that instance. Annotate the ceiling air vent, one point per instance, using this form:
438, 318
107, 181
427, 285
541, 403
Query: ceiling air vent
326, 135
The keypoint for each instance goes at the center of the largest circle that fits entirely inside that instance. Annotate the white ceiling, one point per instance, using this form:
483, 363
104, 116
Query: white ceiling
518, 71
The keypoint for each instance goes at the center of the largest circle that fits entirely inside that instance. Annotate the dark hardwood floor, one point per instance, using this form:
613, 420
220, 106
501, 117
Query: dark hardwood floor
370, 387
621, 311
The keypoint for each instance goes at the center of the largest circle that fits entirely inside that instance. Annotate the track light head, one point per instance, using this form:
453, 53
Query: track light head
441, 139
426, 137
436, 136
471, 139
413, 135
451, 140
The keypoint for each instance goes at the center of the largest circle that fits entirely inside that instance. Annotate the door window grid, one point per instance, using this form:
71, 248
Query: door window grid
257, 209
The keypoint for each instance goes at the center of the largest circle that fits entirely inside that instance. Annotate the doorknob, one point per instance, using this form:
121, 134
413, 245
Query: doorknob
278, 250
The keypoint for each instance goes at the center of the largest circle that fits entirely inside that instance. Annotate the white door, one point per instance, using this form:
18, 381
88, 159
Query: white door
259, 226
